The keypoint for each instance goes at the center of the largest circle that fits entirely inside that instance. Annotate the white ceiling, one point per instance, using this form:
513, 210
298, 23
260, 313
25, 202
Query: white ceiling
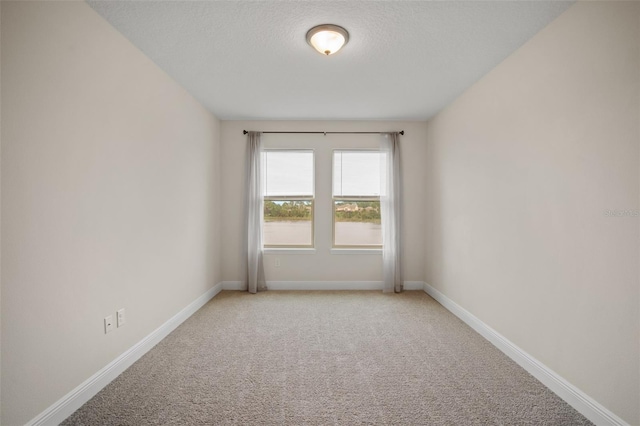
405, 59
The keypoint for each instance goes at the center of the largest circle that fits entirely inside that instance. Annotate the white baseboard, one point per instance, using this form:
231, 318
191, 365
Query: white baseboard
233, 285
323, 285
583, 403
414, 285
66, 405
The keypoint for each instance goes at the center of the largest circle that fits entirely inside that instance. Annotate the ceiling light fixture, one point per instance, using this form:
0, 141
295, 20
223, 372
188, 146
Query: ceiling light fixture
327, 38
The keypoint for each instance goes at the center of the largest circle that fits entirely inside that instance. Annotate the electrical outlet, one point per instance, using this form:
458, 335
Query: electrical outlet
108, 324
120, 317
277, 262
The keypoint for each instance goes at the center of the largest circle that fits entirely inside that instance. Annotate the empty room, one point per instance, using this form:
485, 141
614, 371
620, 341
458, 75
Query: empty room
319, 212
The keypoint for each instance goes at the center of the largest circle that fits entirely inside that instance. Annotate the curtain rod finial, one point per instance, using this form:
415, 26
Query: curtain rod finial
244, 132
401, 132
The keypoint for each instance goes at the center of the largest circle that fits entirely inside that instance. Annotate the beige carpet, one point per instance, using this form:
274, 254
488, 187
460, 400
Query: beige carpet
351, 357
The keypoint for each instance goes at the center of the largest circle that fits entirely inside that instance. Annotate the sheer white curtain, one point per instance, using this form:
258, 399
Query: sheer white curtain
390, 212
255, 213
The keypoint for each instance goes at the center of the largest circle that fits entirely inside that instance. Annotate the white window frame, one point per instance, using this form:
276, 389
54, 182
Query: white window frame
311, 198
338, 248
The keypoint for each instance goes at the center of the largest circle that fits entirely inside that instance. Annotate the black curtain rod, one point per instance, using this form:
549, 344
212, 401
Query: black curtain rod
244, 132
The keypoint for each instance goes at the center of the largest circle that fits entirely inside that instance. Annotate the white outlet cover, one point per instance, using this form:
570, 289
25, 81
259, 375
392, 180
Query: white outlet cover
121, 317
108, 324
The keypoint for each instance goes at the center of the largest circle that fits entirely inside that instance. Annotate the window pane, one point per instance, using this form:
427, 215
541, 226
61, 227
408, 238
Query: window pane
288, 173
288, 223
357, 223
356, 173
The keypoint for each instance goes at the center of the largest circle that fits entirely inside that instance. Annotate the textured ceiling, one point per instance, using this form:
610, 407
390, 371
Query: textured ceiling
250, 60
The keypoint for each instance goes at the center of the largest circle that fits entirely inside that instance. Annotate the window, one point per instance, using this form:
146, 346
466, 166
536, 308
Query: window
289, 194
356, 199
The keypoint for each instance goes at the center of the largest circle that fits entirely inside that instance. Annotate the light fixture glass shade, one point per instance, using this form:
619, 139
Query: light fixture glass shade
327, 39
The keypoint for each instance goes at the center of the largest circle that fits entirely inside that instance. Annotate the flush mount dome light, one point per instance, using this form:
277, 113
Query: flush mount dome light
327, 39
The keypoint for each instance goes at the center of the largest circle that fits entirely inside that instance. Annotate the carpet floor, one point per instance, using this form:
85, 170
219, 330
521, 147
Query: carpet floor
326, 358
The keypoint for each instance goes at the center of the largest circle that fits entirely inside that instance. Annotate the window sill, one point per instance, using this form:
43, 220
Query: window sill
289, 251
375, 251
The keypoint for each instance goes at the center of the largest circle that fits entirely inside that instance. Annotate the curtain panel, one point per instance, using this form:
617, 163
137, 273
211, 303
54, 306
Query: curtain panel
390, 213
255, 212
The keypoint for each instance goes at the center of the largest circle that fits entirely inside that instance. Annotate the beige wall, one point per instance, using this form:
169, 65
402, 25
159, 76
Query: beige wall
322, 266
520, 170
109, 199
